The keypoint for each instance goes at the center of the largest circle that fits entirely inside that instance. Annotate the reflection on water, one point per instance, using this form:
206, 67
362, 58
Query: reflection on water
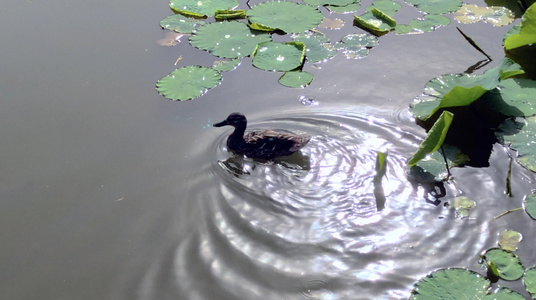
307, 227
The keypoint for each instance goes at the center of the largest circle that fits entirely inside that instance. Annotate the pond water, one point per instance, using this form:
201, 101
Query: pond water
110, 191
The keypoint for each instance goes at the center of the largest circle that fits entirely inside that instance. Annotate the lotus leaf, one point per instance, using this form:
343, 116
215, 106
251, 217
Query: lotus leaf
530, 281
317, 46
228, 39
289, 17
226, 14
434, 163
503, 293
188, 82
429, 23
496, 15
328, 2
451, 284
357, 45
376, 23
527, 33
434, 139
180, 23
436, 6
200, 8
503, 264
273, 56
520, 93
509, 239
520, 134
386, 6
530, 208
224, 66
350, 8
296, 79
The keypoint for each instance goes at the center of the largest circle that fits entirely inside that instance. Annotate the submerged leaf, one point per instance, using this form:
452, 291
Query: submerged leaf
188, 82
434, 139
273, 56
509, 239
200, 8
504, 264
451, 284
289, 17
463, 205
228, 39
496, 15
296, 79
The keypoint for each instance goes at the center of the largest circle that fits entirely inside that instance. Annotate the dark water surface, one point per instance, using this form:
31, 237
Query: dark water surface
110, 191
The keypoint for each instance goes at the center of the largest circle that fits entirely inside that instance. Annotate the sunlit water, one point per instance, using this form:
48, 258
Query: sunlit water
307, 226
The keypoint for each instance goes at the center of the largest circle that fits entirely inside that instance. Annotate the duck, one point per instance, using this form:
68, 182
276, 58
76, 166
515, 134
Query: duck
267, 144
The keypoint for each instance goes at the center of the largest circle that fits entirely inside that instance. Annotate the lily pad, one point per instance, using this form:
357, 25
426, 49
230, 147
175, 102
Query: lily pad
527, 33
503, 293
429, 23
463, 205
437, 7
530, 205
224, 66
317, 46
386, 6
350, 8
495, 15
228, 39
509, 239
377, 21
503, 264
357, 45
289, 17
530, 281
200, 8
328, 2
434, 139
229, 14
520, 134
296, 79
188, 82
451, 284
180, 23
273, 56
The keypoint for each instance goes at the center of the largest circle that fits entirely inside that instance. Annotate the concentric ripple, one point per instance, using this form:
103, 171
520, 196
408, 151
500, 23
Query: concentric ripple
307, 226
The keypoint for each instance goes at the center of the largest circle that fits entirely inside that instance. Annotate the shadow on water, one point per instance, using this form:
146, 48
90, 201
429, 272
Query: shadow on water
308, 227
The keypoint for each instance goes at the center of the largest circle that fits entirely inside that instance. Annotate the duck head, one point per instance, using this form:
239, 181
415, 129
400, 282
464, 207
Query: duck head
234, 119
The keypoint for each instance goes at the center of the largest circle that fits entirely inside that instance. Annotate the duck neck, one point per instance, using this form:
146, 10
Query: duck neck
238, 134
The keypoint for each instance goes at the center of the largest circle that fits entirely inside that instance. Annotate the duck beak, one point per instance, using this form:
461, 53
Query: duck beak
222, 123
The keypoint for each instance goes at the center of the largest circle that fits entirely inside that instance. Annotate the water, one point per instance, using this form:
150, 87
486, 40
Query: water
110, 191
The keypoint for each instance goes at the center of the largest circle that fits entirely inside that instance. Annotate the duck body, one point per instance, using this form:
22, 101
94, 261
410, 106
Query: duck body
266, 144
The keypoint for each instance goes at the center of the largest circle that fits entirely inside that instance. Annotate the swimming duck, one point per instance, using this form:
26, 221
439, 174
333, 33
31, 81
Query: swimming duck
265, 144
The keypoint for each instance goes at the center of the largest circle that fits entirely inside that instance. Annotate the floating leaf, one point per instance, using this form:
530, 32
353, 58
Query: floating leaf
463, 205
434, 138
296, 79
357, 45
224, 66
496, 15
520, 93
229, 14
200, 8
317, 46
451, 284
228, 39
530, 205
520, 134
509, 239
386, 6
429, 23
433, 166
289, 17
188, 82
527, 33
372, 24
350, 8
530, 281
273, 56
503, 293
436, 6
180, 23
503, 264
328, 2
331, 23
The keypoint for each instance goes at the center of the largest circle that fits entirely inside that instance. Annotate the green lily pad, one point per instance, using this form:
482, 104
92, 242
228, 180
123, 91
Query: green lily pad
357, 45
432, 168
228, 39
520, 134
436, 7
527, 33
200, 8
429, 23
386, 6
328, 2
503, 293
463, 205
530, 281
350, 8
273, 56
376, 21
296, 79
225, 66
317, 46
503, 264
495, 15
180, 23
229, 14
509, 239
451, 284
520, 93
530, 205
434, 139
289, 17
188, 82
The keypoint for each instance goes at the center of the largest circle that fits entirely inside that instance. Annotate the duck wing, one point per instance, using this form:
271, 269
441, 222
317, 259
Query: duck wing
279, 143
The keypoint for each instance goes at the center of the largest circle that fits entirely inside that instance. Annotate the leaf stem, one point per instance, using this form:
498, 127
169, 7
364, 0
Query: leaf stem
507, 212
